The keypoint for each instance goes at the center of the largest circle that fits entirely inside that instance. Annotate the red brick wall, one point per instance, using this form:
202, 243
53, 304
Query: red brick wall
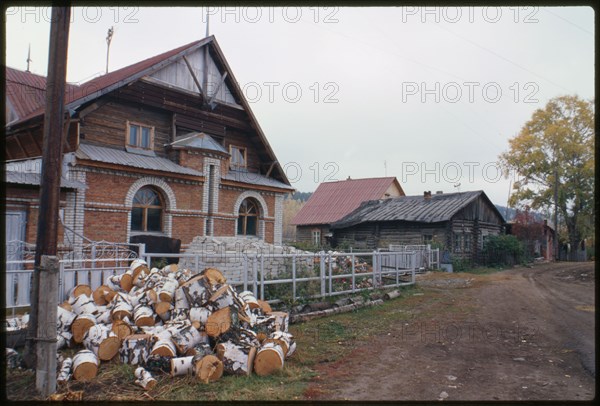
102, 225
269, 231
186, 228
223, 227
193, 161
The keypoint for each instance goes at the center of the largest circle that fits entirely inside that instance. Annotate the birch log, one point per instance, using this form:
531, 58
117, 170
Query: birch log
285, 340
144, 379
182, 366
135, 349
122, 328
121, 307
281, 320
186, 339
143, 315
248, 297
221, 321
164, 348
166, 292
236, 360
85, 365
269, 358
196, 291
64, 319
207, 368
214, 276
81, 325
102, 295
102, 341
78, 290
199, 317
63, 339
83, 304
65, 371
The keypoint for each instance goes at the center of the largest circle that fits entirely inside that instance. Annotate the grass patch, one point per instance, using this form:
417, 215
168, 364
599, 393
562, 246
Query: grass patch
318, 341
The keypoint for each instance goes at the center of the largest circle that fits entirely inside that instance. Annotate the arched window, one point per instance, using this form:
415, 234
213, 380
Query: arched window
146, 214
248, 218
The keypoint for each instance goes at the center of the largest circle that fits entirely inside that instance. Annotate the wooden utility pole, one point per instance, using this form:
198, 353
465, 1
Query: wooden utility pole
555, 242
40, 349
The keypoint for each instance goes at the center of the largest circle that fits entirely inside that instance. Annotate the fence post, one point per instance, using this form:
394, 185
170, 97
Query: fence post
322, 272
294, 277
397, 273
254, 278
375, 269
413, 270
61, 281
262, 278
330, 269
93, 256
353, 274
245, 271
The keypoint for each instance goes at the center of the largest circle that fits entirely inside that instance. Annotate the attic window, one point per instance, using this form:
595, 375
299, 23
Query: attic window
140, 136
238, 157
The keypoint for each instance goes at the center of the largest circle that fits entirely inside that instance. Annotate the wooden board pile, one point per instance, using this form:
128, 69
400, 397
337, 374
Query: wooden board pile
171, 321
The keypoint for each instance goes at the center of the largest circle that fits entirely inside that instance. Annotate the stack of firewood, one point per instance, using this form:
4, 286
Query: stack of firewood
171, 321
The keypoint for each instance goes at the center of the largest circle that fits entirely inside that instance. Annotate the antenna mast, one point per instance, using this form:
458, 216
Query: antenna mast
207, 21
29, 57
108, 40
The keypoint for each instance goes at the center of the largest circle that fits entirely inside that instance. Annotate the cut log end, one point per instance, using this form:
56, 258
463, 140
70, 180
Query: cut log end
209, 369
270, 358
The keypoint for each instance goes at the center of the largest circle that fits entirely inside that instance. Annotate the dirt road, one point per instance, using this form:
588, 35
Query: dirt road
521, 334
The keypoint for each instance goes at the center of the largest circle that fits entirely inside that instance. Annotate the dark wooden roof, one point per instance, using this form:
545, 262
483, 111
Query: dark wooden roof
440, 207
333, 200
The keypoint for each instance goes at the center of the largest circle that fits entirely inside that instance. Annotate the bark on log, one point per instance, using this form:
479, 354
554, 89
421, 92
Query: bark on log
64, 319
65, 371
391, 295
63, 339
224, 296
281, 320
121, 307
102, 341
208, 368
113, 282
85, 365
135, 349
197, 291
102, 295
83, 304
165, 348
143, 315
249, 298
81, 325
285, 340
186, 339
103, 315
309, 316
78, 290
269, 358
236, 359
144, 379
166, 292
199, 317
182, 366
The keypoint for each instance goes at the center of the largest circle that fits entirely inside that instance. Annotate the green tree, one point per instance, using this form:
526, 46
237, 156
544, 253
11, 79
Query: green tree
557, 146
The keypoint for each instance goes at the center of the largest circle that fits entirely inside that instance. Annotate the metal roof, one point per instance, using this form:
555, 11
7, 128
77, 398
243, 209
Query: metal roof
255, 179
441, 207
26, 91
120, 157
26, 178
333, 200
198, 140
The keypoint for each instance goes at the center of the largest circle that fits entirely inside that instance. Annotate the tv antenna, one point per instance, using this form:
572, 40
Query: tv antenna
109, 36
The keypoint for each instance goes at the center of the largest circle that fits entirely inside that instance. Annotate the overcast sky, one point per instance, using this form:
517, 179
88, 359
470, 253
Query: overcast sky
429, 95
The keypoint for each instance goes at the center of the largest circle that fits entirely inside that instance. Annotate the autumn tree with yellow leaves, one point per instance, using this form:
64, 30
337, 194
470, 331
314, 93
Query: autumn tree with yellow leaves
553, 156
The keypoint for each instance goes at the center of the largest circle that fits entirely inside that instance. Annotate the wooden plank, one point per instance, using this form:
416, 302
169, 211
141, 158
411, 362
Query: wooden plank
218, 88
194, 76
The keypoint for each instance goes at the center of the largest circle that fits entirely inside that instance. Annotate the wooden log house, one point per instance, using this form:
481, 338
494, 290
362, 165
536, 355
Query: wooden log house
168, 146
460, 222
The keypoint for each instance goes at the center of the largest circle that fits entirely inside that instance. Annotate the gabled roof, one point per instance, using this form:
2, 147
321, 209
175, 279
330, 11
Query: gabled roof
86, 92
198, 140
333, 200
27, 91
254, 179
120, 157
441, 207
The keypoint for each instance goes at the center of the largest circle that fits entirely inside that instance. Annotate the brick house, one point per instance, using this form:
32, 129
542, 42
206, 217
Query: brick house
167, 146
333, 200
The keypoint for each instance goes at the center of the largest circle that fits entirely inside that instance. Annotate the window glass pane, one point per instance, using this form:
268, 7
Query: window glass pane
137, 219
153, 220
237, 156
145, 137
133, 134
240, 225
250, 225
